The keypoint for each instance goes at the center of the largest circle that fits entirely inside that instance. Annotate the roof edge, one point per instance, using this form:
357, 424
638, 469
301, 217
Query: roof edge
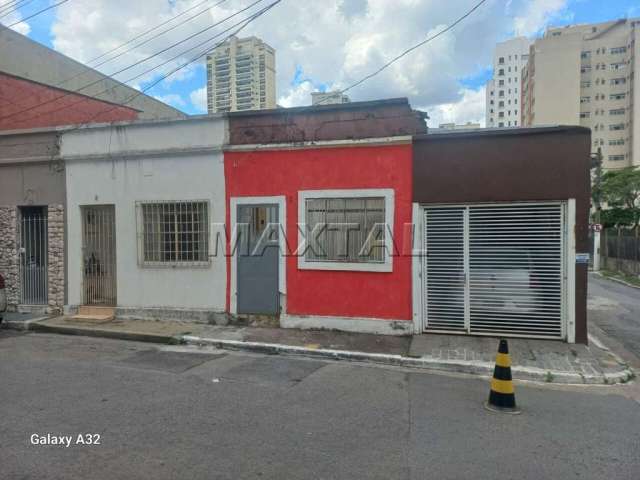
322, 108
494, 132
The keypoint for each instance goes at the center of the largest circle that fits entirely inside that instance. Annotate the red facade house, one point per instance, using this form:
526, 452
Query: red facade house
307, 172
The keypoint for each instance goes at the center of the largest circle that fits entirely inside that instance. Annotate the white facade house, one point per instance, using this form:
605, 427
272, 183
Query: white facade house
143, 201
503, 90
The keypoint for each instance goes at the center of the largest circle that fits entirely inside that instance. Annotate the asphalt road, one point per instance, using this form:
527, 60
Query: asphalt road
173, 413
615, 309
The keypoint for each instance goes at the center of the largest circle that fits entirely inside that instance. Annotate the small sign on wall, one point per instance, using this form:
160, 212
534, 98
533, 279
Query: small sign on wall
582, 258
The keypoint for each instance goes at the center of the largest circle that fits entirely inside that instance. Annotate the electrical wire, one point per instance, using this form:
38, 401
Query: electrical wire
37, 13
241, 25
51, 100
8, 4
193, 59
80, 74
5, 11
158, 26
411, 49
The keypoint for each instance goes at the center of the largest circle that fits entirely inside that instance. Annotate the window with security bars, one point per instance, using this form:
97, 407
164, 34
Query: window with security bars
173, 233
342, 229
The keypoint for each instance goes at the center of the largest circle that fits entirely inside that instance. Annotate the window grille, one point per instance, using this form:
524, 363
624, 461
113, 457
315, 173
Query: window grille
346, 234
173, 233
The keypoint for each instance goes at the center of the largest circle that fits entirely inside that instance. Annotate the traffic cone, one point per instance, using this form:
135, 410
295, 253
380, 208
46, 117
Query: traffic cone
502, 398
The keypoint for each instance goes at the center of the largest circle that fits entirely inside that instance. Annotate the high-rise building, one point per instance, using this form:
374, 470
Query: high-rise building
241, 75
588, 75
503, 90
329, 98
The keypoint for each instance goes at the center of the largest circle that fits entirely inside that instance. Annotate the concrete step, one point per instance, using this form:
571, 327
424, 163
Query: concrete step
93, 314
96, 310
93, 319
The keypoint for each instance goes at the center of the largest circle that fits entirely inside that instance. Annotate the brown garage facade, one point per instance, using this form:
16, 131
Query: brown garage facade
502, 221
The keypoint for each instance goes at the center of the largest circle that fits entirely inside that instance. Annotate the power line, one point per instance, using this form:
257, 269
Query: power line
8, 4
411, 49
37, 13
242, 24
143, 42
134, 64
158, 26
15, 8
246, 22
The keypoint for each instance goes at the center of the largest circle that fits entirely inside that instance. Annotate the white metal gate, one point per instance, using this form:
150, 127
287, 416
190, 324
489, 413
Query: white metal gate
33, 236
99, 255
495, 269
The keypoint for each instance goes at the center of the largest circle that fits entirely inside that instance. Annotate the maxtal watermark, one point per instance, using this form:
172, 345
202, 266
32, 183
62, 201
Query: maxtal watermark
321, 240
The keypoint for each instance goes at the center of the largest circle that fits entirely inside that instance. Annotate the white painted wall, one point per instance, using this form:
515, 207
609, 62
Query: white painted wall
178, 160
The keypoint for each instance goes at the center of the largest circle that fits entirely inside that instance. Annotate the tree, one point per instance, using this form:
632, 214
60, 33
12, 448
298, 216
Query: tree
620, 189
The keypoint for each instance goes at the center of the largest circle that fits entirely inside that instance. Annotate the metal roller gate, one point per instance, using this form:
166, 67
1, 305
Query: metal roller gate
99, 255
496, 269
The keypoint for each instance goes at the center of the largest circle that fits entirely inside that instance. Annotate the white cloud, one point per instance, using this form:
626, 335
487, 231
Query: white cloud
198, 99
537, 15
298, 95
172, 99
23, 27
469, 108
335, 42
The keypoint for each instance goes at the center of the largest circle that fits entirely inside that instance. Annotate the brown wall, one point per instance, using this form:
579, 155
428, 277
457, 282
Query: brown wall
511, 165
383, 118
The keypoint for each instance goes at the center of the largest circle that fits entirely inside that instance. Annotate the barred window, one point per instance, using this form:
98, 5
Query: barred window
346, 229
173, 233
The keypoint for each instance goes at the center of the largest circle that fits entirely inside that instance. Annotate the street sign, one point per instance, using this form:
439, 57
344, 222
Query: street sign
582, 258
596, 227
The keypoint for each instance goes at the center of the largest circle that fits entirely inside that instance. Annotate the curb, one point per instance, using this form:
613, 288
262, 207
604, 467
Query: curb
483, 369
617, 280
457, 366
22, 325
93, 332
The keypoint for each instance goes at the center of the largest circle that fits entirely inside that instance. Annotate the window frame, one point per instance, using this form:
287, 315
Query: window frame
389, 209
172, 264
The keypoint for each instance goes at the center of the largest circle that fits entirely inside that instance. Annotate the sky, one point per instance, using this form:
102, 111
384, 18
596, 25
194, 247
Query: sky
320, 45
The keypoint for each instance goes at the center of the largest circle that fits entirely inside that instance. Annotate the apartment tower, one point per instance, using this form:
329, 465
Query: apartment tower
241, 75
503, 90
588, 75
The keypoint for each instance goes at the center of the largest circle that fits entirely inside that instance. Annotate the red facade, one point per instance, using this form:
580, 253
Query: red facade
381, 295
26, 104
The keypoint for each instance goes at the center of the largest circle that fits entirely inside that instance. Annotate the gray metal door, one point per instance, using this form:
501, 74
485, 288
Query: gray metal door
33, 255
99, 255
258, 257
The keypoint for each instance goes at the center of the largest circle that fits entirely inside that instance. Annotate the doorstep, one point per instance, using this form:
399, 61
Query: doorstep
533, 360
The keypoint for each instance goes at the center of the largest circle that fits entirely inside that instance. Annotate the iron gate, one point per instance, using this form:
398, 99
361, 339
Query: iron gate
495, 269
33, 255
99, 255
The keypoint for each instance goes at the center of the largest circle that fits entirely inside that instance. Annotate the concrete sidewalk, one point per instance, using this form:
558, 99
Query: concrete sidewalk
536, 360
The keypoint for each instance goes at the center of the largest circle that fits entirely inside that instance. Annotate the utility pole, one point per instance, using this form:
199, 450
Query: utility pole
596, 189
596, 195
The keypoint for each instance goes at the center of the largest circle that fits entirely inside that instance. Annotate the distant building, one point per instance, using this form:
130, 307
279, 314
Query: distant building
328, 98
241, 75
503, 90
588, 75
453, 126
43, 88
